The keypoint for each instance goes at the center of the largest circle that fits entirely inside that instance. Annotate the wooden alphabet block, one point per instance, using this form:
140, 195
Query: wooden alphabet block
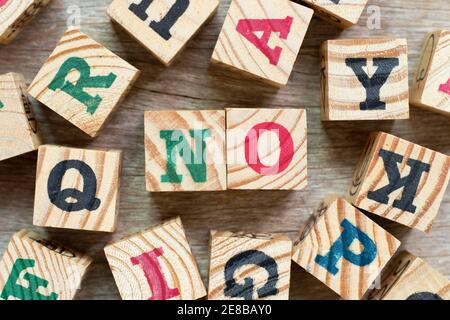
77, 188
18, 130
343, 248
163, 27
34, 268
365, 79
262, 38
83, 81
156, 264
343, 13
185, 150
15, 14
247, 266
408, 277
266, 149
431, 85
400, 181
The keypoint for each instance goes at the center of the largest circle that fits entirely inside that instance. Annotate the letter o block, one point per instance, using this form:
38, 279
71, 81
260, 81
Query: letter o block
364, 79
77, 188
400, 181
83, 81
343, 248
246, 266
266, 149
262, 38
156, 264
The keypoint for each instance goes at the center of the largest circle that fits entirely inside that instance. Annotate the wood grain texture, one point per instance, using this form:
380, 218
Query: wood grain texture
326, 226
234, 51
259, 264
18, 129
188, 150
106, 168
266, 149
61, 270
175, 262
197, 13
371, 175
342, 90
333, 148
408, 277
430, 87
52, 84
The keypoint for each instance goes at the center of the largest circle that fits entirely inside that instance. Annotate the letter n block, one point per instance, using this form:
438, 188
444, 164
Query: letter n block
246, 266
408, 277
400, 181
156, 264
343, 248
431, 85
34, 268
77, 188
185, 150
163, 27
18, 130
266, 149
364, 79
262, 38
83, 81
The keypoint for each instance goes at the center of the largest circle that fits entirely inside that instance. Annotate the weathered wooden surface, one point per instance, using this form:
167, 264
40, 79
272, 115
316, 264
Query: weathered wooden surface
191, 83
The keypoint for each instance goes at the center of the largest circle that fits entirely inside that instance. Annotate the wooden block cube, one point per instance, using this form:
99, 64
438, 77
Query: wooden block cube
156, 264
185, 150
262, 38
410, 278
247, 266
18, 130
163, 27
365, 79
400, 181
266, 149
343, 248
77, 188
34, 268
14, 14
431, 85
343, 13
83, 81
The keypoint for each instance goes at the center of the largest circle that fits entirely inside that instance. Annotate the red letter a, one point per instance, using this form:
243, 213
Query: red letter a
445, 87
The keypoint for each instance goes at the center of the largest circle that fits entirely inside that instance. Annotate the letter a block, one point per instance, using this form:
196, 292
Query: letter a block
408, 277
156, 264
365, 79
83, 81
163, 27
34, 268
262, 38
18, 130
266, 149
431, 86
185, 150
77, 188
343, 248
15, 14
400, 181
249, 266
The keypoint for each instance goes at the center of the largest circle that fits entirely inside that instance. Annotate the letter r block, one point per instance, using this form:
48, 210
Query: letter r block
245, 266
343, 248
83, 81
364, 79
262, 38
34, 268
77, 188
156, 264
400, 181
